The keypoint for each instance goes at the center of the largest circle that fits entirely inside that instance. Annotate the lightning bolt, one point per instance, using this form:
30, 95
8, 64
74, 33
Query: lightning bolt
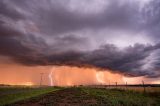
50, 77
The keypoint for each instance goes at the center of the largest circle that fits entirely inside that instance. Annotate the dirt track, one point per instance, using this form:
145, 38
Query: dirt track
86, 96
65, 97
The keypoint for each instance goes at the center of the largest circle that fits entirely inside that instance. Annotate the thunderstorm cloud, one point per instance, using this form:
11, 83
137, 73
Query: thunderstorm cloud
121, 35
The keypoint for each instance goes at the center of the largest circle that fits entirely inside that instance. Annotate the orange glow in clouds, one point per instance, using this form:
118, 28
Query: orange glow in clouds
63, 76
66, 76
55, 75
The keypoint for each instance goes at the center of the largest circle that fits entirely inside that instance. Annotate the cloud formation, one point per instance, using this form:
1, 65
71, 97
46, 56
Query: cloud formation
122, 35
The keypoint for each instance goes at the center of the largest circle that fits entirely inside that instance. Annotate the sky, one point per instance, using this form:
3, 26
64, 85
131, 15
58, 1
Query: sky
112, 36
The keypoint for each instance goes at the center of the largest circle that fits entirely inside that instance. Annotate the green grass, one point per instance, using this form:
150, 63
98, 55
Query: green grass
117, 97
10, 95
82, 96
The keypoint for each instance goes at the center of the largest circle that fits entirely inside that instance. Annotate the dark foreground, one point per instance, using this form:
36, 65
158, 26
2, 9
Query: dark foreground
12, 94
82, 96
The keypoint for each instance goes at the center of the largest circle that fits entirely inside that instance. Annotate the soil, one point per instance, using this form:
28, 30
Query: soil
65, 97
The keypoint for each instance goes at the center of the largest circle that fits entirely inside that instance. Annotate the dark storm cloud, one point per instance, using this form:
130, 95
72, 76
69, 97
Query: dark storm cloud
54, 32
152, 16
54, 17
130, 61
9, 12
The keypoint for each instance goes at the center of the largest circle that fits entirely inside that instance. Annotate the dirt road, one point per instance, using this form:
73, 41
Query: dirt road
65, 97
85, 96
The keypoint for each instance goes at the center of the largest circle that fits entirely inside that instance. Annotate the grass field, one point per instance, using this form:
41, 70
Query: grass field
120, 97
148, 89
11, 94
78, 96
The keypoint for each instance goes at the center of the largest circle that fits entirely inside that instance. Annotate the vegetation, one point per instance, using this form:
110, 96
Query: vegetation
13, 94
119, 97
81, 96
147, 89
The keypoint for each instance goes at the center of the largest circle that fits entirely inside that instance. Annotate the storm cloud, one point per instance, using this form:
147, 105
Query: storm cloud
121, 35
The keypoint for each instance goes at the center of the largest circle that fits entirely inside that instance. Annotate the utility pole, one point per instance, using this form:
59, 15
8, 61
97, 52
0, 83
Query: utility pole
41, 79
109, 84
126, 85
144, 89
116, 84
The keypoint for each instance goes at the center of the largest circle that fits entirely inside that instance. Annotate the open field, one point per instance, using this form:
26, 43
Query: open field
141, 89
80, 96
11, 94
138, 88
